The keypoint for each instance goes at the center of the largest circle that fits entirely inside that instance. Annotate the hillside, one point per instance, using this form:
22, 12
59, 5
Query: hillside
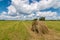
21, 30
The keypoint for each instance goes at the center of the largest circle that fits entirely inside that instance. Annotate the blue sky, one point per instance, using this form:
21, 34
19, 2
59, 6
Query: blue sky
53, 10
4, 4
30, 9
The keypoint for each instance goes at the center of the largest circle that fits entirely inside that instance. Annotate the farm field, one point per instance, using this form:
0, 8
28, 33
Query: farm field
19, 30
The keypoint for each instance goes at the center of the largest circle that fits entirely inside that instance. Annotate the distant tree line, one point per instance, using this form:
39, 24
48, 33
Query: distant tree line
41, 19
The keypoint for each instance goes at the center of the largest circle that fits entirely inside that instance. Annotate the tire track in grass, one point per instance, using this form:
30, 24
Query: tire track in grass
14, 32
39, 36
7, 30
34, 36
19, 32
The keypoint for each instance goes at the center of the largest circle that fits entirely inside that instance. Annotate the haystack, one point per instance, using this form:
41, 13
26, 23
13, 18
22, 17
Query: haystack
39, 27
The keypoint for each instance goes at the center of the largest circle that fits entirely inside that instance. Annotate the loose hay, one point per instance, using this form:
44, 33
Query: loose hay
39, 27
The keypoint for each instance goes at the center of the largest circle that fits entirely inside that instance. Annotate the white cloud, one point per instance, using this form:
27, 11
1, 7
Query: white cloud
19, 8
57, 4
52, 18
58, 17
22, 6
31, 15
12, 10
46, 14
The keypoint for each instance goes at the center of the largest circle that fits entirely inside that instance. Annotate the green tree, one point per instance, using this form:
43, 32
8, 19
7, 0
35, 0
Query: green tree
42, 18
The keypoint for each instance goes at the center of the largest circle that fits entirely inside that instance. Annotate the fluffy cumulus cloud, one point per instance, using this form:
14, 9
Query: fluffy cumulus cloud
11, 10
57, 4
23, 9
46, 14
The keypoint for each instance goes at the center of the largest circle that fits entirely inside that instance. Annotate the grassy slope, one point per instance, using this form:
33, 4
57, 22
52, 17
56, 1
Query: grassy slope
15, 30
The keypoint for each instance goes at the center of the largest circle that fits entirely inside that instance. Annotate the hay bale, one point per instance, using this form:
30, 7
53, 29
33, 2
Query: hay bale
44, 27
39, 27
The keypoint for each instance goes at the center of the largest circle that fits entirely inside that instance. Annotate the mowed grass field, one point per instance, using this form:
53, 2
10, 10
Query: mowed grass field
16, 30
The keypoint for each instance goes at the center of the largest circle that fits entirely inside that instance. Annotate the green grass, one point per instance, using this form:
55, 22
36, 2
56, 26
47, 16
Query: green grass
55, 25
15, 30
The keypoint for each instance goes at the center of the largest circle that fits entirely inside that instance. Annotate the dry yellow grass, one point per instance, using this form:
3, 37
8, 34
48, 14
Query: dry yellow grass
16, 30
